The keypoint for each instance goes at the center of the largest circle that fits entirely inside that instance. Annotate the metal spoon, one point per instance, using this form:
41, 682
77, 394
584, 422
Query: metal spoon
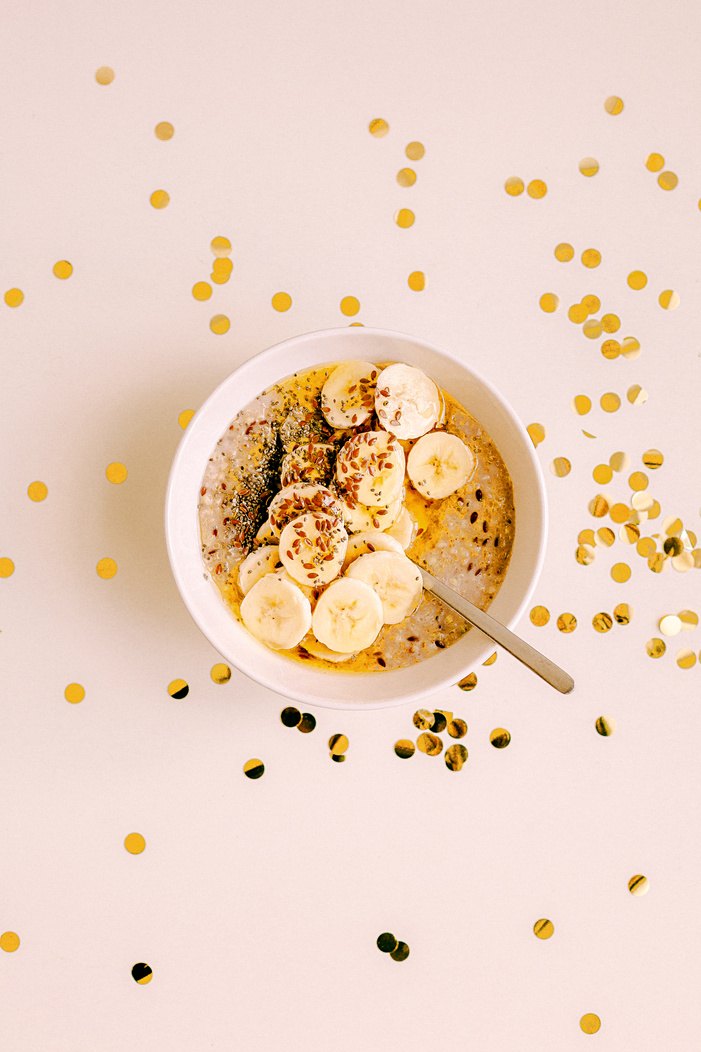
537, 662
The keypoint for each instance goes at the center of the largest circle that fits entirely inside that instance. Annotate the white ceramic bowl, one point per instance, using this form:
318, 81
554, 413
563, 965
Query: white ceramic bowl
331, 688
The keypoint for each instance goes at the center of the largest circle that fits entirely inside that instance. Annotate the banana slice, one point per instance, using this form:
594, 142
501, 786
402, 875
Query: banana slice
439, 464
301, 499
348, 396
312, 549
403, 530
359, 517
348, 616
310, 463
276, 612
370, 467
258, 564
312, 594
317, 649
395, 579
407, 401
266, 533
369, 541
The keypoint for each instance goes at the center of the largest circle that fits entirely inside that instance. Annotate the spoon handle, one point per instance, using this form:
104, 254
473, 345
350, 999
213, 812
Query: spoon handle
537, 662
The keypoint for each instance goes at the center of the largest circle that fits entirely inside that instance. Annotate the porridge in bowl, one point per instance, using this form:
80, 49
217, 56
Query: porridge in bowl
317, 489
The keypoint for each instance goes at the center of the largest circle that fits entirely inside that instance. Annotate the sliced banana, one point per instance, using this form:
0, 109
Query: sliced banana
276, 612
395, 579
266, 533
317, 649
359, 517
403, 530
312, 549
439, 464
312, 594
407, 402
348, 616
301, 499
312, 462
369, 541
370, 467
348, 396
258, 564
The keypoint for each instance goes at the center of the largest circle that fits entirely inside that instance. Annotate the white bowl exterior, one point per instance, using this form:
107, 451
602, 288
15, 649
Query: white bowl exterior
332, 688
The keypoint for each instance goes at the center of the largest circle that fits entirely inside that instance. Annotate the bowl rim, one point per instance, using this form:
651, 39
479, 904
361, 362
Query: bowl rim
173, 515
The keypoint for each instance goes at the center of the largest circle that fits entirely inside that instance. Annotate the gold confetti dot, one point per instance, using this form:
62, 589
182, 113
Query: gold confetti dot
178, 688
500, 737
605, 726
543, 928
605, 537
378, 127
134, 843
490, 660
623, 614
602, 474
404, 217
638, 480
401, 953
669, 299
7, 567
455, 757
567, 623
672, 526
164, 131
142, 973
636, 395
116, 473
185, 417
222, 266
349, 305
338, 743
592, 328
290, 716
673, 546
630, 348
697, 558
514, 186
637, 279
638, 885
417, 281
415, 151
610, 349
104, 75
683, 562
14, 297
37, 491
564, 252
610, 402
63, 269
619, 461
404, 748
670, 625
602, 621
577, 313
201, 290
220, 673
592, 303
281, 301
560, 466
540, 615
591, 257
619, 512
440, 720
74, 693
406, 176
598, 506
160, 199
629, 533
686, 658
386, 942
429, 743
457, 728
588, 166
423, 719
585, 554
537, 433
655, 647
645, 547
468, 682
689, 619
9, 941
221, 246
590, 1023
307, 724
655, 162
549, 302
254, 768
106, 568
620, 572
537, 188
581, 404
220, 278
610, 323
667, 180
586, 537
657, 562
219, 324
613, 105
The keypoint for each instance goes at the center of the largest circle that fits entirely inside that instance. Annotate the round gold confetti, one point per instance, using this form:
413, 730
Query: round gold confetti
610, 323
567, 623
683, 562
540, 615
669, 299
581, 404
605, 726
104, 75
549, 302
630, 348
623, 614
598, 506
638, 480
142, 973
592, 328
686, 658
134, 843
537, 433
610, 349
429, 744
220, 673
619, 512
63, 269
670, 625
652, 459
620, 572
560, 466
629, 533
417, 281
406, 176
116, 473
592, 303
439, 721
490, 660
349, 305
543, 928
564, 252
423, 719
655, 162
605, 537
469, 682
37, 491
536, 188
577, 313
637, 279
164, 131
106, 568
9, 941
201, 290
307, 724
588, 166
415, 151
457, 728
602, 474
610, 402
590, 1023
613, 105
7, 567
185, 417
689, 619
586, 537
591, 257
697, 558
221, 246
655, 647
602, 622
585, 554
74, 693
514, 186
281, 301
636, 394
290, 716
638, 885
404, 748
219, 279
672, 526
668, 180
404, 217
14, 297
401, 953
219, 324
378, 127
619, 461
455, 756
500, 737
657, 562
179, 689
386, 942
338, 743
254, 768
160, 199
673, 546
222, 265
